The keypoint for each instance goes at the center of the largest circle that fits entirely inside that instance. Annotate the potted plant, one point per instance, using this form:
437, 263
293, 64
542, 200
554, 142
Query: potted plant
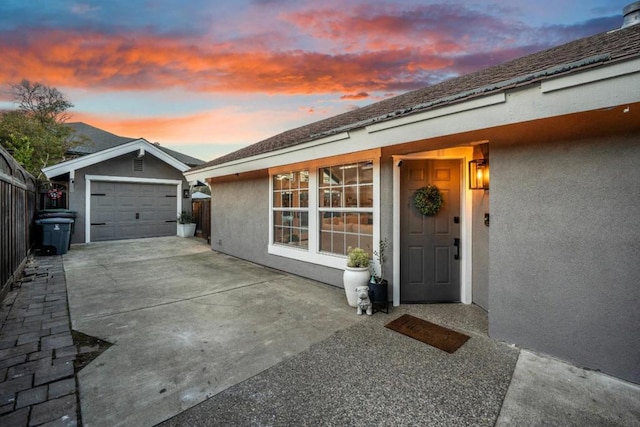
186, 224
378, 285
356, 273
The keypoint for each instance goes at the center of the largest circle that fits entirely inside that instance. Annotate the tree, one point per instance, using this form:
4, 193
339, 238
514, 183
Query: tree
36, 133
44, 103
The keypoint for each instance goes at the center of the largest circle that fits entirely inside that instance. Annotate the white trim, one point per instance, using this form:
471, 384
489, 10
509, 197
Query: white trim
485, 101
596, 88
110, 153
464, 154
265, 160
313, 254
105, 178
333, 261
72, 181
396, 230
590, 76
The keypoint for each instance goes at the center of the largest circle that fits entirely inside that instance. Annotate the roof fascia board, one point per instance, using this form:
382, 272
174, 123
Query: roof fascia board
473, 104
110, 153
109, 178
237, 166
590, 76
520, 104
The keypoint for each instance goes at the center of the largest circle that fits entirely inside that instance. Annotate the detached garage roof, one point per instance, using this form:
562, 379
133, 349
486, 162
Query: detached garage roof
584, 54
93, 140
141, 145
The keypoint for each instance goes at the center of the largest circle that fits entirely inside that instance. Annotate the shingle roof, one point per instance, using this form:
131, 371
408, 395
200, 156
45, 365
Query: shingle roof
93, 140
187, 160
98, 139
577, 55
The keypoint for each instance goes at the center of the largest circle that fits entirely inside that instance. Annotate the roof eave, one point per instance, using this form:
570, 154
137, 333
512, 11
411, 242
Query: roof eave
110, 153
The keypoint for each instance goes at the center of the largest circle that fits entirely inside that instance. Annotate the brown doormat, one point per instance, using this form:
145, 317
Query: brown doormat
427, 332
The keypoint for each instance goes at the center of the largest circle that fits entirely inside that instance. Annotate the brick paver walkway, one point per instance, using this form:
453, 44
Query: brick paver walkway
37, 381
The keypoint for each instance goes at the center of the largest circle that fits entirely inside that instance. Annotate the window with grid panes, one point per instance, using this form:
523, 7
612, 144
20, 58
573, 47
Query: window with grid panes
291, 209
345, 198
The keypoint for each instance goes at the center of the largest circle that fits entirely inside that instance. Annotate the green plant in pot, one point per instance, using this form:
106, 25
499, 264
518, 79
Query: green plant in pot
356, 273
185, 218
378, 285
186, 224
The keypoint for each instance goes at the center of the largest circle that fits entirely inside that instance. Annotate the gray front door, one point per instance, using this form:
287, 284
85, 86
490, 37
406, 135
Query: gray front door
430, 245
127, 210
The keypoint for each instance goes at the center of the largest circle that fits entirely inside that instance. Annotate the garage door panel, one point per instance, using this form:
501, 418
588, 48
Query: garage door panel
132, 210
167, 228
129, 202
103, 215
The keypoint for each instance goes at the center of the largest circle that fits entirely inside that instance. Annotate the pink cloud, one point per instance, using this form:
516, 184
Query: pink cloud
359, 95
145, 62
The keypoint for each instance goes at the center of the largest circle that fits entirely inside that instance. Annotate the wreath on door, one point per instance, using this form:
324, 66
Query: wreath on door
428, 200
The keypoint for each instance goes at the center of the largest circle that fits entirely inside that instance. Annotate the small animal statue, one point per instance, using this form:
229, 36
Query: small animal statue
364, 303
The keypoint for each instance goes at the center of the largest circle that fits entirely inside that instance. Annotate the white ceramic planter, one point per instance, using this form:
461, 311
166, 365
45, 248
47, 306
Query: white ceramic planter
186, 230
351, 279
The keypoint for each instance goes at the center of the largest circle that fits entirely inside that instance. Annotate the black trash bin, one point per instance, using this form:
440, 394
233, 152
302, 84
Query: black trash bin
59, 213
56, 234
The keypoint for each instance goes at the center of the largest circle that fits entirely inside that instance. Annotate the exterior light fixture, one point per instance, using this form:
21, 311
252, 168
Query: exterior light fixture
479, 174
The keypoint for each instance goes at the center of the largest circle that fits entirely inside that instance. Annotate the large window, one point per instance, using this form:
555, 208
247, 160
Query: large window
320, 210
345, 198
291, 209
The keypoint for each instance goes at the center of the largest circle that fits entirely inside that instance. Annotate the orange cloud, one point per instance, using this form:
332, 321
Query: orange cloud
145, 62
220, 126
360, 95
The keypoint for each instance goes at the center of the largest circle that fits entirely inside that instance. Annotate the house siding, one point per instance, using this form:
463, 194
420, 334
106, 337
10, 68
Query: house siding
564, 251
119, 166
240, 228
480, 244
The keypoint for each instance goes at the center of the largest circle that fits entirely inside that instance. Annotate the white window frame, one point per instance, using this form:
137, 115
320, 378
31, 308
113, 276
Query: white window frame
298, 209
313, 254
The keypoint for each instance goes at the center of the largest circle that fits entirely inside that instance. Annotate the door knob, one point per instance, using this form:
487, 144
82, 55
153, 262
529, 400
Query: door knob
456, 243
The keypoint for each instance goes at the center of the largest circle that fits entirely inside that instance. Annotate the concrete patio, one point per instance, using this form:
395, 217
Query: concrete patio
209, 339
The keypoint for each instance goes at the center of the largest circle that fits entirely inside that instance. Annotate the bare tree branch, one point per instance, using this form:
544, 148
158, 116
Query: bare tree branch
46, 104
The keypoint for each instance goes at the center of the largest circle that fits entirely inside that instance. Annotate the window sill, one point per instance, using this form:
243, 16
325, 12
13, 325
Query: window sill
332, 261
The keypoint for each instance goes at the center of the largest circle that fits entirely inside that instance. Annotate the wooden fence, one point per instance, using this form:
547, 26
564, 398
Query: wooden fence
18, 192
202, 212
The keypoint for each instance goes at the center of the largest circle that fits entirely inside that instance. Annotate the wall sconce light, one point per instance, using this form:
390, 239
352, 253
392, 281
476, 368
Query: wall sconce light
479, 174
186, 193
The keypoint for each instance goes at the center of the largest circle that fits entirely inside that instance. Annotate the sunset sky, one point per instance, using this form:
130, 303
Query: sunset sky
206, 77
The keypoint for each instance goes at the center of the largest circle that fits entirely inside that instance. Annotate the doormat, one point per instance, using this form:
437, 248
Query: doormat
427, 332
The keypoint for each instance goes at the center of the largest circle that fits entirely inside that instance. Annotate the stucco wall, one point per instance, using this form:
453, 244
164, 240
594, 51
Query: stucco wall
240, 227
480, 249
119, 166
564, 271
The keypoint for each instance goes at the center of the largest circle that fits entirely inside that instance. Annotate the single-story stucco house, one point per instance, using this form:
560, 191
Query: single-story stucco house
122, 188
550, 246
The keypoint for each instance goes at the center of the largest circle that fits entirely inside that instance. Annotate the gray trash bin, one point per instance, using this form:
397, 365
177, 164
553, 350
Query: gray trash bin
58, 213
56, 233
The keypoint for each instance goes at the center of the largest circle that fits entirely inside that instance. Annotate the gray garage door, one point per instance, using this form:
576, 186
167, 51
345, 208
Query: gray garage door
122, 210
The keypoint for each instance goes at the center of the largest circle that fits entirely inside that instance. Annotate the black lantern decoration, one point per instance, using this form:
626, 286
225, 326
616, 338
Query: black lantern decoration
479, 174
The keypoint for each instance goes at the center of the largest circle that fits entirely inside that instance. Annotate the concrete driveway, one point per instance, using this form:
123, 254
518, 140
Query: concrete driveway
186, 323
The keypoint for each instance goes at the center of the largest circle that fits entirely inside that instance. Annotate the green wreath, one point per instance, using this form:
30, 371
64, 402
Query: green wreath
428, 200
